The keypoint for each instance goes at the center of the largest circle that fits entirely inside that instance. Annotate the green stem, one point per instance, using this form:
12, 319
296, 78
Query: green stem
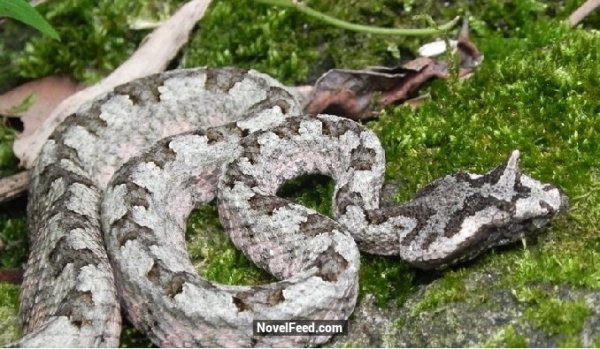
358, 27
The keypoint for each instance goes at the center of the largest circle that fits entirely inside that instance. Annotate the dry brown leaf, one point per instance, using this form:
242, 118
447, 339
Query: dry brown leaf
12, 276
13, 186
361, 94
48, 92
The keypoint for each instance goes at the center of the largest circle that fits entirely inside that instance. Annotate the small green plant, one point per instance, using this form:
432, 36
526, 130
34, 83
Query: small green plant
363, 28
22, 11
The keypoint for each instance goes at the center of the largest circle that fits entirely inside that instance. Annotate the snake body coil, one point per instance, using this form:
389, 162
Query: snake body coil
98, 243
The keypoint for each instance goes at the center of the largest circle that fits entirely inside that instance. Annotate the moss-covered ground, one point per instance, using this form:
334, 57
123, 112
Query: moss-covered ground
537, 91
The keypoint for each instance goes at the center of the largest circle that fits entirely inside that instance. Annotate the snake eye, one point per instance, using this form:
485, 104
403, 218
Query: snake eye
500, 219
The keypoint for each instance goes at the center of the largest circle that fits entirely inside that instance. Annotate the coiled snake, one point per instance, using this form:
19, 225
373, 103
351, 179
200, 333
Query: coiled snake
99, 243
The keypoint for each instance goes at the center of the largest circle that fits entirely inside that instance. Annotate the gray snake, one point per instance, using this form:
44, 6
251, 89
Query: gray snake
109, 198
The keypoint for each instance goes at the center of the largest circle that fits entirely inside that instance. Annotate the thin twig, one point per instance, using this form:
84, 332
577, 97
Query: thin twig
582, 11
359, 27
13, 186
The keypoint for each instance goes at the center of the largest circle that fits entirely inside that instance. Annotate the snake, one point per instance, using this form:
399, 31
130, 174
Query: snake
112, 188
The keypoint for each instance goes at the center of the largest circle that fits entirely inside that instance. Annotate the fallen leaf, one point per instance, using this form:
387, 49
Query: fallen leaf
48, 93
12, 276
361, 94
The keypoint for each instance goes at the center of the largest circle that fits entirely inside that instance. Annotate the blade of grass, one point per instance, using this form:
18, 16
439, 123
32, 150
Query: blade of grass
22, 11
358, 27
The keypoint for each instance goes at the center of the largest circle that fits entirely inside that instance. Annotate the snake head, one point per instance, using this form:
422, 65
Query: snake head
467, 214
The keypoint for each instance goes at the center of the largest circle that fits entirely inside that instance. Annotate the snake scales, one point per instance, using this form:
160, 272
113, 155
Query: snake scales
242, 132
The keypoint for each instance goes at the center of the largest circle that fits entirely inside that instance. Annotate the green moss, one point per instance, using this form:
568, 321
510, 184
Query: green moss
450, 289
13, 237
388, 279
9, 326
312, 191
132, 338
95, 38
257, 36
507, 338
214, 255
8, 161
511, 103
557, 317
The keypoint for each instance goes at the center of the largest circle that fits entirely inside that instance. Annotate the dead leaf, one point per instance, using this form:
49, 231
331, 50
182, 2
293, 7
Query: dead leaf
13, 186
12, 276
48, 92
361, 94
